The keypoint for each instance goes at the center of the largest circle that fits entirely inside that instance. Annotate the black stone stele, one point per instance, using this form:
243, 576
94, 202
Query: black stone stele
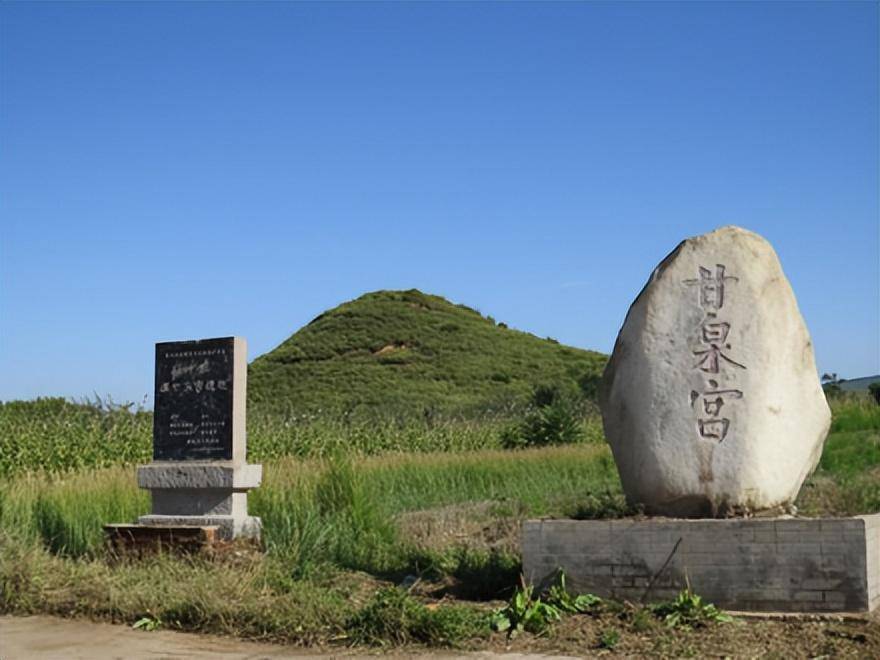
192, 418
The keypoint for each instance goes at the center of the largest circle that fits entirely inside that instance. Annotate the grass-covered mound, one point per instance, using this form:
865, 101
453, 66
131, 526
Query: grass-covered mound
409, 353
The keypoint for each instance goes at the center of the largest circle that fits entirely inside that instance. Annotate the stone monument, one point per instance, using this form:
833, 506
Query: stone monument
711, 401
713, 409
199, 475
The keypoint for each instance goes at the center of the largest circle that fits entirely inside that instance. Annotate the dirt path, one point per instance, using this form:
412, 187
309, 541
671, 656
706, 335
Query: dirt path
49, 638
66, 639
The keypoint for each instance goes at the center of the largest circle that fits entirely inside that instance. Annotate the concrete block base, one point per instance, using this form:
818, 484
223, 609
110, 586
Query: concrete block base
199, 474
201, 494
764, 565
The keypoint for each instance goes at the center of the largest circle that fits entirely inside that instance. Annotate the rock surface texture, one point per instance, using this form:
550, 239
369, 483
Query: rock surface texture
711, 401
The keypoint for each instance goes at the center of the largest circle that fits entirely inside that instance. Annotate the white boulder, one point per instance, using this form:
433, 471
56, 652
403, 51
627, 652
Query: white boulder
711, 400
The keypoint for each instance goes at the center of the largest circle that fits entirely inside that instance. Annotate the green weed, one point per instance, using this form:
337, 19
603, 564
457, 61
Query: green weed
609, 638
525, 612
559, 596
147, 623
528, 612
689, 610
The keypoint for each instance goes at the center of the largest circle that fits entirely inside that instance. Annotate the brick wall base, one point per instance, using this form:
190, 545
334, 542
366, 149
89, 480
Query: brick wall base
781, 564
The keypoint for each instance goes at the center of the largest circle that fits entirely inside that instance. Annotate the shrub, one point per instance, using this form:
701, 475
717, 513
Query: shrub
553, 420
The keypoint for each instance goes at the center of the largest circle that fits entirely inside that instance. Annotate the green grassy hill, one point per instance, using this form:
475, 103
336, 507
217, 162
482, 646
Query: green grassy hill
406, 352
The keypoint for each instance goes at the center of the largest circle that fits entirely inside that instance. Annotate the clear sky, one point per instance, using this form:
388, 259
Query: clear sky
176, 171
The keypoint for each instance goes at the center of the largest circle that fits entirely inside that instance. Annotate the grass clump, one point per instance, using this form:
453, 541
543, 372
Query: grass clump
70, 519
394, 617
851, 452
609, 638
847, 481
477, 575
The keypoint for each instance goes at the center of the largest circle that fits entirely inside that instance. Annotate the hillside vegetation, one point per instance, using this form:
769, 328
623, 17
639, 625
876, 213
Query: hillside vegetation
405, 353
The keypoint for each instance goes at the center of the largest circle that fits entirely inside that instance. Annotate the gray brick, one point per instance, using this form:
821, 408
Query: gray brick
786, 565
799, 549
840, 547
798, 536
797, 526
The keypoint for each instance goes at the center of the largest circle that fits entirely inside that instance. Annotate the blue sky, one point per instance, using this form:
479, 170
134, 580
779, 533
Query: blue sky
174, 171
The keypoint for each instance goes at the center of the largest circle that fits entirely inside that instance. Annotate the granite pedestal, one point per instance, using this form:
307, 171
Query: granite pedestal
203, 494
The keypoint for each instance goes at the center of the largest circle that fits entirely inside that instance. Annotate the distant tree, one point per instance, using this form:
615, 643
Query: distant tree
831, 384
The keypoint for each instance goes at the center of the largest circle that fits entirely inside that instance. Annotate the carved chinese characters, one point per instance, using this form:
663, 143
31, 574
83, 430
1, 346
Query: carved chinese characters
713, 335
194, 400
711, 401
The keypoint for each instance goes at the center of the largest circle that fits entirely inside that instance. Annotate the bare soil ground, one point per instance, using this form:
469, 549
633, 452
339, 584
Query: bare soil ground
48, 638
748, 637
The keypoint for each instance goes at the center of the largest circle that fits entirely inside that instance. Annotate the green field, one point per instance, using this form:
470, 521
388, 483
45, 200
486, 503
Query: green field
54, 435
344, 514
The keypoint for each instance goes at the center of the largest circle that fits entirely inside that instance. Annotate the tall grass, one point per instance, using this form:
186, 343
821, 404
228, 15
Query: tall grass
854, 412
319, 511
67, 514
540, 480
322, 518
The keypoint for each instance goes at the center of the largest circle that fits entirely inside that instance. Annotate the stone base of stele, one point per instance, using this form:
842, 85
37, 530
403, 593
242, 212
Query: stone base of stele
210, 493
763, 565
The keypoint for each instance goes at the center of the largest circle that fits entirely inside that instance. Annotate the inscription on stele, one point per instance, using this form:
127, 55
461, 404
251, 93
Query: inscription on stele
711, 358
192, 418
